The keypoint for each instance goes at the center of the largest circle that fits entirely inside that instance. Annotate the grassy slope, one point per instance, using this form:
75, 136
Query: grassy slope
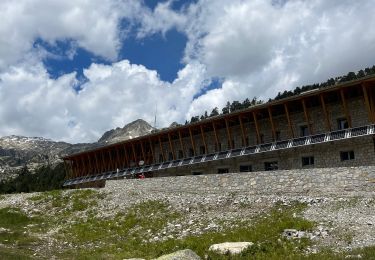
78, 233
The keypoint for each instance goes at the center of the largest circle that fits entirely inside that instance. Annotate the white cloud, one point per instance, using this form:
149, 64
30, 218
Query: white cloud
257, 47
93, 24
261, 48
33, 104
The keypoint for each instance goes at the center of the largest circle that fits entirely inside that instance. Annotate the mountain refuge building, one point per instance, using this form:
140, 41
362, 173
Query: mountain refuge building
325, 127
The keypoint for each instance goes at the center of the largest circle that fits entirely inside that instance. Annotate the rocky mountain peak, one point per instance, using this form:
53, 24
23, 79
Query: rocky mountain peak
132, 130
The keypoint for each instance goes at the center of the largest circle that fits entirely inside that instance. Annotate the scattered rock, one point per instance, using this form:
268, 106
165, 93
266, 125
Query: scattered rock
186, 254
230, 247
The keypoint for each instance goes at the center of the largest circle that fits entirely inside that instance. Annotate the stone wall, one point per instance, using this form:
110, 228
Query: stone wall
321, 182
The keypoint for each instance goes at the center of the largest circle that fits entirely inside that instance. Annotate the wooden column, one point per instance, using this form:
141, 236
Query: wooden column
192, 141
204, 139
228, 133
244, 137
127, 159
134, 155
171, 146
272, 124
345, 108
83, 166
90, 168
216, 138
97, 162
291, 130
325, 112
367, 104
307, 117
102, 168
161, 149
152, 150
118, 159
110, 159
66, 170
75, 167
181, 144
143, 151
371, 97
256, 127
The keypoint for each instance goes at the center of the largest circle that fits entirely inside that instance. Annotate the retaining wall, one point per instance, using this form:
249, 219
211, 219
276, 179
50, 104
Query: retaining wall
321, 181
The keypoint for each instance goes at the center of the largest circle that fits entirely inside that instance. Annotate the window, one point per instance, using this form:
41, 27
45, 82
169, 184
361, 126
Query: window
304, 130
180, 154
308, 160
270, 166
246, 168
161, 159
347, 155
191, 152
342, 123
170, 156
222, 170
197, 173
202, 149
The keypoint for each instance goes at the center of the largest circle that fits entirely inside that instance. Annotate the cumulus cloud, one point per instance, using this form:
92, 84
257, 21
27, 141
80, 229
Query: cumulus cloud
33, 104
94, 25
262, 47
256, 47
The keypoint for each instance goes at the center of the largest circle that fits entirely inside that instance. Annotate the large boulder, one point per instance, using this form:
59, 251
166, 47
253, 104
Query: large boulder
186, 254
230, 247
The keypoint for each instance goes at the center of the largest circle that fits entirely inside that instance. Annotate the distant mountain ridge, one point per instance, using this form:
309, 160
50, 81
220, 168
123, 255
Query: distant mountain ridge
17, 151
132, 130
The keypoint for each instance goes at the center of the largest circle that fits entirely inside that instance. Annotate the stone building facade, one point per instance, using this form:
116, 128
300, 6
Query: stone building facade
330, 127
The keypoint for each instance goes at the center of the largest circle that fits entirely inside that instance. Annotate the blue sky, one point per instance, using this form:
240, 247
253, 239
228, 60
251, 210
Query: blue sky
70, 70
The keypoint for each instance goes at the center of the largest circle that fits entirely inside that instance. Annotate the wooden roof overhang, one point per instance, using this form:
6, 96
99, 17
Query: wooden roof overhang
223, 119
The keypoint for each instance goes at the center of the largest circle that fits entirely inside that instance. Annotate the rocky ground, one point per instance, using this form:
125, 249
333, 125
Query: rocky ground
339, 223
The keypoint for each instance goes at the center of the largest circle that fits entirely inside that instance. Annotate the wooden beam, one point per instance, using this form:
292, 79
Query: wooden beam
181, 144
171, 146
161, 149
371, 96
111, 160
228, 133
272, 124
152, 150
90, 171
256, 127
325, 112
244, 137
307, 118
127, 159
96, 162
143, 152
291, 130
134, 155
204, 139
192, 141
345, 108
367, 104
66, 170
83, 166
216, 138
118, 161
104, 168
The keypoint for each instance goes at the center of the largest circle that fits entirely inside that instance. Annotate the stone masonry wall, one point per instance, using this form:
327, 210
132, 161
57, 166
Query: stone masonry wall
321, 182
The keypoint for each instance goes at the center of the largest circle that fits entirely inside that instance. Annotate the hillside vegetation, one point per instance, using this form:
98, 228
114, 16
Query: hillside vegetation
89, 224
